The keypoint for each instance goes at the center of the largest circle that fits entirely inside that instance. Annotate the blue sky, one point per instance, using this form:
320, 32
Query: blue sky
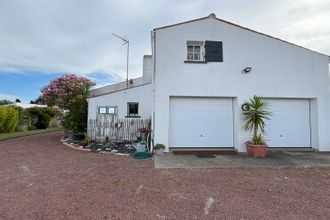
26, 86
41, 40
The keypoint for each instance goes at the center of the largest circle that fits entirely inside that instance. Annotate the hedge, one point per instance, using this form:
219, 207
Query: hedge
14, 118
8, 119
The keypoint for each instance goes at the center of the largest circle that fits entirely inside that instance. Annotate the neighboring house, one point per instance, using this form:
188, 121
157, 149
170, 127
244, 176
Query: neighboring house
202, 71
27, 105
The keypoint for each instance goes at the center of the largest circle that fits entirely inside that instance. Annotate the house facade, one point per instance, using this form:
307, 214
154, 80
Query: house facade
117, 111
203, 70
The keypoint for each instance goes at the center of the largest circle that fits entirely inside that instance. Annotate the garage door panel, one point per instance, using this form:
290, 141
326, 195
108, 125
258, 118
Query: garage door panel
201, 122
290, 123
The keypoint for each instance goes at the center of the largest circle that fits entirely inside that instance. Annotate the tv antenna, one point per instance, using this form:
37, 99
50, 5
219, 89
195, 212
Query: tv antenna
125, 41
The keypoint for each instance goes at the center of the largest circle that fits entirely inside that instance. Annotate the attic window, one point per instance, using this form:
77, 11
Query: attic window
195, 50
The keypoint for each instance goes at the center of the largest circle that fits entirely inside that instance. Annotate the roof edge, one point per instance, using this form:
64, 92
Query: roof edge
112, 88
213, 16
119, 90
180, 23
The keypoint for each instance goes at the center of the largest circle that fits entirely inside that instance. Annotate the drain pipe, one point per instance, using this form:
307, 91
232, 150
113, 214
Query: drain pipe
149, 137
153, 51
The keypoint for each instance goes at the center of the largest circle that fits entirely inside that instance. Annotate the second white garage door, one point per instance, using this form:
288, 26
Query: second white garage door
201, 122
290, 124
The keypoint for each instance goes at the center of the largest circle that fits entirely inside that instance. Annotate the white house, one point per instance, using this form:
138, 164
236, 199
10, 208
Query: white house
202, 71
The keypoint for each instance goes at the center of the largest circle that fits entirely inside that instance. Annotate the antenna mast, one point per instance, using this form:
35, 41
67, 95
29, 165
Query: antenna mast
125, 41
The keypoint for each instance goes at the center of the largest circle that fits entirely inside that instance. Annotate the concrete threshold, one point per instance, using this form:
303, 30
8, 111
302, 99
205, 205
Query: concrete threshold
294, 149
205, 149
276, 159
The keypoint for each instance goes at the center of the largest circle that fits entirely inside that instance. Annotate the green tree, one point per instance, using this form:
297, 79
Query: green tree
39, 101
69, 92
5, 102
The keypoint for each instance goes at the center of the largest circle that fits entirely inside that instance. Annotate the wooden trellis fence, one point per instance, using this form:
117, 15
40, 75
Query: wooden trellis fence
109, 126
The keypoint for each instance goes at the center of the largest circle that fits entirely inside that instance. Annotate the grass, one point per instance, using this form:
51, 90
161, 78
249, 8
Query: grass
6, 136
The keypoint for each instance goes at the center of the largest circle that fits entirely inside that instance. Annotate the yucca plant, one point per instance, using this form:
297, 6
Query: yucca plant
258, 139
254, 117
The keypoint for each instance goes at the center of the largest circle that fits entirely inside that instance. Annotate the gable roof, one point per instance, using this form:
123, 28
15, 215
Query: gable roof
213, 16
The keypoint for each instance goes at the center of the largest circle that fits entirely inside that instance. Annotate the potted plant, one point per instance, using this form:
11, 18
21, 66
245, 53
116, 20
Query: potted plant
255, 113
158, 149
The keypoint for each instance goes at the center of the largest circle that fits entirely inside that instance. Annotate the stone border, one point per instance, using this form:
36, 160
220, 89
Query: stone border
73, 147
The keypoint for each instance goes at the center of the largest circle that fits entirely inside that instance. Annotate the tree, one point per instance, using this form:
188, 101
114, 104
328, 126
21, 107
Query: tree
39, 101
17, 100
69, 92
5, 102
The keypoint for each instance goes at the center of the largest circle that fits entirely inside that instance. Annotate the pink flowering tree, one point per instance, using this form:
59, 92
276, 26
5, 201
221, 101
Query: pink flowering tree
69, 92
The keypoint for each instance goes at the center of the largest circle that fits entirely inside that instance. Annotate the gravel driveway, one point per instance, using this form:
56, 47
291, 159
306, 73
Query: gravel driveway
42, 179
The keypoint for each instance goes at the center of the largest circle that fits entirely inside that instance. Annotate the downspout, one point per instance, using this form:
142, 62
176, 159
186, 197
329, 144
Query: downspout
153, 52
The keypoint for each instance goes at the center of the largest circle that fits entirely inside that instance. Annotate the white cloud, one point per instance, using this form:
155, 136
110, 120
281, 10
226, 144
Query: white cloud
76, 35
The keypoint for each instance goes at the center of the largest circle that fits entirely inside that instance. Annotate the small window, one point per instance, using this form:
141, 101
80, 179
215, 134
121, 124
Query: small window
102, 110
107, 110
112, 110
195, 50
132, 108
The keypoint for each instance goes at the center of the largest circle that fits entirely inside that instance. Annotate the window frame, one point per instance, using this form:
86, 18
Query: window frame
194, 45
107, 107
128, 109
102, 107
115, 110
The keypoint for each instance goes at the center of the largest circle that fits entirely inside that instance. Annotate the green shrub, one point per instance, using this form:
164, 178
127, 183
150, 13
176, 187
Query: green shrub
76, 119
40, 117
8, 119
158, 147
24, 121
3, 113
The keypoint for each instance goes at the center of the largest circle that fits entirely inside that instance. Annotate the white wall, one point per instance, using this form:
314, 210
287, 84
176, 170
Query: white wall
147, 68
141, 94
279, 69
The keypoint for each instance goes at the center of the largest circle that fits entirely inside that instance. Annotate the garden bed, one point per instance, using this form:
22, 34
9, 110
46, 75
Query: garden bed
79, 143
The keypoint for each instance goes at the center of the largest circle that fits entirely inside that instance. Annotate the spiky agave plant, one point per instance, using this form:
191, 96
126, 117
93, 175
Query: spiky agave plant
255, 117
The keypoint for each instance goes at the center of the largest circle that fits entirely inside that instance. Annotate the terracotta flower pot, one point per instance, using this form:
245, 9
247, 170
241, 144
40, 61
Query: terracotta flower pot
256, 150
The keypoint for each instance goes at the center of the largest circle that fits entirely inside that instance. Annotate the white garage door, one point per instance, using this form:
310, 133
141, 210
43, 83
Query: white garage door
201, 122
290, 124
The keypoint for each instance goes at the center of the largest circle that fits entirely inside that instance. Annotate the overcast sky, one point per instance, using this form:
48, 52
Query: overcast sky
42, 39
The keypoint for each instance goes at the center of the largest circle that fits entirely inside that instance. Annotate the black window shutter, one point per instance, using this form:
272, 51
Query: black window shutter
213, 51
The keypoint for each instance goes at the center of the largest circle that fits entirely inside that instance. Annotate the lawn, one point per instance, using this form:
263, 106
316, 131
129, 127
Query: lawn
6, 136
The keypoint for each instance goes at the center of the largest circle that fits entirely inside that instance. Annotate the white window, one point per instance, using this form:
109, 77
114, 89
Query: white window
195, 50
107, 110
112, 110
102, 110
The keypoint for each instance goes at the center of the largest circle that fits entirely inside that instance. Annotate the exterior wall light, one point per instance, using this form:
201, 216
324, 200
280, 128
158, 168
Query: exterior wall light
247, 69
